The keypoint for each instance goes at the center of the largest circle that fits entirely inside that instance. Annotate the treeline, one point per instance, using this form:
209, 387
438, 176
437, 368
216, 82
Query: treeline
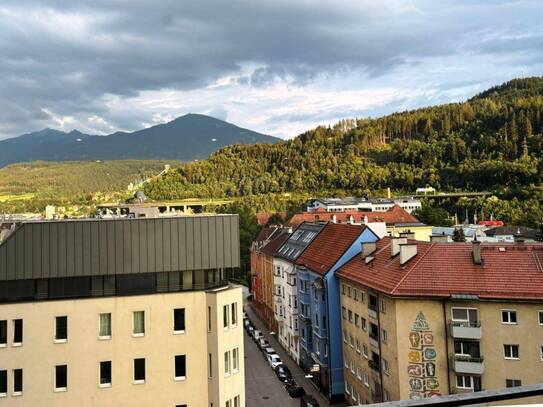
492, 141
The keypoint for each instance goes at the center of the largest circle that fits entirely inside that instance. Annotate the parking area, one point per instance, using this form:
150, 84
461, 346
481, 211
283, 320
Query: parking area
262, 386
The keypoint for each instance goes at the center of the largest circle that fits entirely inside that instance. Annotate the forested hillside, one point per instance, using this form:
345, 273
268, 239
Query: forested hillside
491, 142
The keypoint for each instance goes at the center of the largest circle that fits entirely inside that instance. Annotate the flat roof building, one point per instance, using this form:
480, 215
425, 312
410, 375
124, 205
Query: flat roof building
133, 312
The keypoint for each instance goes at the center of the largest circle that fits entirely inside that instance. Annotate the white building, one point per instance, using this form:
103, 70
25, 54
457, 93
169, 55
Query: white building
362, 204
285, 291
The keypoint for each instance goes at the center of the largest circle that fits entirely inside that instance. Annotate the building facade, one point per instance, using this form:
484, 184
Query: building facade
362, 204
426, 319
132, 312
319, 303
285, 286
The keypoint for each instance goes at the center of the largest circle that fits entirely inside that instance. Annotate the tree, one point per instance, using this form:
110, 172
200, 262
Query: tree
458, 235
433, 216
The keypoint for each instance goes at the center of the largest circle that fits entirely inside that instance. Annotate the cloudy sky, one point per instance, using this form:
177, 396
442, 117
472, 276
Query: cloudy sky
279, 67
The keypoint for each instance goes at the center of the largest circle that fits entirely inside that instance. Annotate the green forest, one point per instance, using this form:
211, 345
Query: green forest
492, 142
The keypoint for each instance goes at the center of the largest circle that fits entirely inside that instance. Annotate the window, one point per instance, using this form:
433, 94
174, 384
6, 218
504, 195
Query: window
3, 383
540, 314
465, 316
17, 332
235, 360
541, 352
351, 341
225, 317
61, 329
386, 396
348, 291
511, 351
208, 319
139, 371
180, 367
359, 372
509, 317
467, 348
343, 312
179, 320
343, 289
227, 363
357, 345
356, 320
350, 313
3, 333
355, 294
139, 323
61, 378
105, 326
105, 373
513, 383
363, 324
384, 335
237, 401
365, 351
234, 313
385, 366
366, 380
344, 336
382, 306
17, 382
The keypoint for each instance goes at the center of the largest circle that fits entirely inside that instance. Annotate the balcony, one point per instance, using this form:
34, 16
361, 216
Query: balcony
376, 395
465, 364
465, 329
374, 341
372, 312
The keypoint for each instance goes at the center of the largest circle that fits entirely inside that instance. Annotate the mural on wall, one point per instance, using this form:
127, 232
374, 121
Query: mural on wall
422, 355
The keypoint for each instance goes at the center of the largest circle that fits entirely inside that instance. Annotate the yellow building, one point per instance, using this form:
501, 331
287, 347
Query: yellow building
121, 313
422, 319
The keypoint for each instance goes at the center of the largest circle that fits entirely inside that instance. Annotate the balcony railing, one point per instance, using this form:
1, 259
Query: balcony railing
466, 364
465, 329
372, 312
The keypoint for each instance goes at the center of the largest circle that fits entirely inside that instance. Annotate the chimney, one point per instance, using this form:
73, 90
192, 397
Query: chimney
289, 230
476, 245
407, 234
439, 239
407, 252
368, 248
366, 220
351, 219
396, 242
334, 219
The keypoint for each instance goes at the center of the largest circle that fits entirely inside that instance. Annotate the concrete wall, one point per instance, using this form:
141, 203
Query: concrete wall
83, 351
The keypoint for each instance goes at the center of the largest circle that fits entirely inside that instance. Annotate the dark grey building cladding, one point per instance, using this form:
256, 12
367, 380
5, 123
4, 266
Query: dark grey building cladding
90, 247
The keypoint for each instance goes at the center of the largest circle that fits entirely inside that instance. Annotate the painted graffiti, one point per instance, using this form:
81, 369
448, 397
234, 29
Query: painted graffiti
422, 355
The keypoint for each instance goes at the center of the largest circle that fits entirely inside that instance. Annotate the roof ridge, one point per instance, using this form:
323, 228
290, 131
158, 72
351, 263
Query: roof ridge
412, 268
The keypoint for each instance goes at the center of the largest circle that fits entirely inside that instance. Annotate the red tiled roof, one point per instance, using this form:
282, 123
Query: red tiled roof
395, 215
264, 234
327, 248
263, 217
275, 243
508, 271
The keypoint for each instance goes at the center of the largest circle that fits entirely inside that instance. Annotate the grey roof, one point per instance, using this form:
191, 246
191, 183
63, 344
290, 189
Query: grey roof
72, 248
518, 231
299, 240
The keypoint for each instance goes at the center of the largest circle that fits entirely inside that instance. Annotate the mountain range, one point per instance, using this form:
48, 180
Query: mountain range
187, 138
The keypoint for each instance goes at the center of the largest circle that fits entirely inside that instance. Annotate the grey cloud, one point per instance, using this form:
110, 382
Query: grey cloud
128, 46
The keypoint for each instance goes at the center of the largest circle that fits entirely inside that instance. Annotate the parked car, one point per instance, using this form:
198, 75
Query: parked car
268, 350
294, 390
308, 401
274, 360
283, 373
257, 335
250, 330
262, 343
246, 322
245, 316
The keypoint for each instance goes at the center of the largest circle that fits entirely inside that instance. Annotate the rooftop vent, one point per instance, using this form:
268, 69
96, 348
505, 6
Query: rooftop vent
476, 246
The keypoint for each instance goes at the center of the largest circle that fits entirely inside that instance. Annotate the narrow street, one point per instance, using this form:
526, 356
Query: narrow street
259, 381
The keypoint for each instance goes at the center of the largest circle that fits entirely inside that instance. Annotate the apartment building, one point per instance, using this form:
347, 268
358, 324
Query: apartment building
318, 299
286, 293
362, 204
132, 312
422, 319
262, 285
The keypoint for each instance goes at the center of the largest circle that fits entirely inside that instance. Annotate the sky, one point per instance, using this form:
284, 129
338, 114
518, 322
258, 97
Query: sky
277, 67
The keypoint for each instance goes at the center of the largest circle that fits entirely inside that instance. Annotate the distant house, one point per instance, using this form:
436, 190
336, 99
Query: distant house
392, 222
362, 204
518, 233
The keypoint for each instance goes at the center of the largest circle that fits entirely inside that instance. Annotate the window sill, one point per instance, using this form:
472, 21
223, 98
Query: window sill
179, 332
227, 375
138, 382
104, 385
3, 345
180, 379
509, 323
60, 390
104, 338
17, 344
17, 393
60, 340
511, 358
234, 326
138, 335
3, 394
